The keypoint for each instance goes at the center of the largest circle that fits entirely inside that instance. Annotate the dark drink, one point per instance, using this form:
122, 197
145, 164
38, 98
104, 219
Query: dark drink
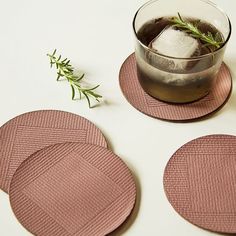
168, 76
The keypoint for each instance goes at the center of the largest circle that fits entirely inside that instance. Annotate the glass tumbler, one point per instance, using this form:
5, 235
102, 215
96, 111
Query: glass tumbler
174, 79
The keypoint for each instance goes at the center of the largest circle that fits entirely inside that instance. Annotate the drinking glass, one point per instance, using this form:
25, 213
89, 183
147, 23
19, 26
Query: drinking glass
173, 79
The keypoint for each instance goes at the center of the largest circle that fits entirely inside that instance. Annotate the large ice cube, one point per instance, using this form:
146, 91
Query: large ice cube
176, 43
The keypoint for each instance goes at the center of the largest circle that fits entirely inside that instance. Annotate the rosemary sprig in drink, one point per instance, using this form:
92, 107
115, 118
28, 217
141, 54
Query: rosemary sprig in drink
208, 39
65, 69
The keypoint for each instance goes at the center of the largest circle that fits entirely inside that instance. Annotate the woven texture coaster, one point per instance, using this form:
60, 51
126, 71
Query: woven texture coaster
72, 189
200, 182
30, 132
143, 102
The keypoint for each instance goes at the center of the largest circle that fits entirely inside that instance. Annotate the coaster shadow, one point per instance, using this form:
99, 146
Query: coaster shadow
231, 104
223, 234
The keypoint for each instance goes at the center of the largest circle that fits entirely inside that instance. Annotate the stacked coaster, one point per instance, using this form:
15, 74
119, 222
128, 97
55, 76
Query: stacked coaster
200, 182
61, 178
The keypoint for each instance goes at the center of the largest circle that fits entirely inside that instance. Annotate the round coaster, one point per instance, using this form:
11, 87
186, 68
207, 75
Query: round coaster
72, 189
30, 132
143, 102
200, 182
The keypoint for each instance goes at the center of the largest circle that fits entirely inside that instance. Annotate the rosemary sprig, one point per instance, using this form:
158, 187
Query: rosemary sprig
65, 69
207, 38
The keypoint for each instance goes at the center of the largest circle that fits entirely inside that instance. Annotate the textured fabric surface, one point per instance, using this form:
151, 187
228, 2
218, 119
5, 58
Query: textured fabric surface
200, 182
30, 132
136, 96
72, 189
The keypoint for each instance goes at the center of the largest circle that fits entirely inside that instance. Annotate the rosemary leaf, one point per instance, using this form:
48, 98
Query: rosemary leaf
87, 97
73, 92
81, 77
94, 87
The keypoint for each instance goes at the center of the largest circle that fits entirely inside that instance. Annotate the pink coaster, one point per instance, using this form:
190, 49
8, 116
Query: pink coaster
30, 132
200, 182
143, 102
72, 189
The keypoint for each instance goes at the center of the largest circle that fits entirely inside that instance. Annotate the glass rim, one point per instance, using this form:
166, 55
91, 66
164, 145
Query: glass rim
182, 58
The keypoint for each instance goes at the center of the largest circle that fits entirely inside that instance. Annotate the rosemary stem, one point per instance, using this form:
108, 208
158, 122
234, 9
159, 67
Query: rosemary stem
64, 69
207, 38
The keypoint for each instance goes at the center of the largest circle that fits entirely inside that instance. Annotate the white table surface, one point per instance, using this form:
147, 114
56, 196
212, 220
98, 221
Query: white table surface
97, 36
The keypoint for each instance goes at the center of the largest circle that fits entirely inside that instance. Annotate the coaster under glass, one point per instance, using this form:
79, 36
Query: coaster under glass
148, 105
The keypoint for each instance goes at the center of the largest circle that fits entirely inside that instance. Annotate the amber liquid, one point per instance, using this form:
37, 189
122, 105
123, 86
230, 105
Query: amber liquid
158, 75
